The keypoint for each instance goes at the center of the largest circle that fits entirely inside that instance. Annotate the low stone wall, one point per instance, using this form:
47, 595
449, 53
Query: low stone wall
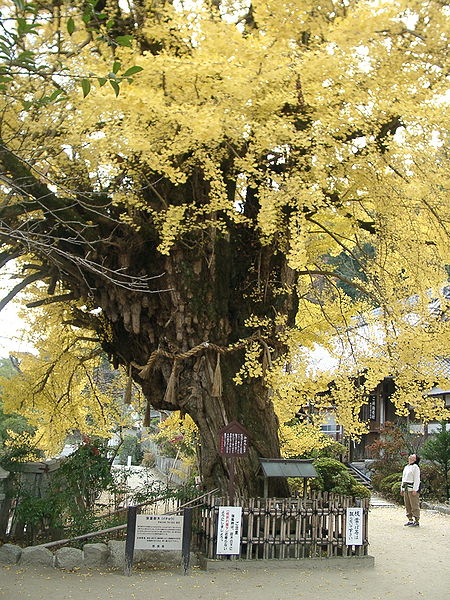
310, 564
442, 508
92, 556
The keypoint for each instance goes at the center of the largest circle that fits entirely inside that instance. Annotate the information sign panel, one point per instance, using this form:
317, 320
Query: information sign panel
233, 440
229, 530
158, 532
354, 533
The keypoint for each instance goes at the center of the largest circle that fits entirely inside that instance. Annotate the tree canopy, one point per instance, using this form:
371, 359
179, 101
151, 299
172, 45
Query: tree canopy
198, 180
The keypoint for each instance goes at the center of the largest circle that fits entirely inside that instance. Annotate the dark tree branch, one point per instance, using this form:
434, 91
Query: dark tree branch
19, 287
51, 300
5, 257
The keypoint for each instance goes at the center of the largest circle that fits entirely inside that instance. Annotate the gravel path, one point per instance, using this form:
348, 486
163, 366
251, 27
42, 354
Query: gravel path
410, 564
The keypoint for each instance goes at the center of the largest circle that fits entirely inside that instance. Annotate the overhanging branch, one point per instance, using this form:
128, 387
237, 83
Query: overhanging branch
19, 287
51, 300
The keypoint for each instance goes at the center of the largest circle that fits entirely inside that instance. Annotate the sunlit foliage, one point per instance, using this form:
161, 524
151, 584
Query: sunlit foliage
315, 132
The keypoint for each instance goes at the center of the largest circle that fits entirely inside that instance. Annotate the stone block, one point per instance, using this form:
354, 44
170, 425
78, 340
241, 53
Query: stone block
116, 557
158, 558
36, 556
95, 555
152, 558
69, 558
9, 554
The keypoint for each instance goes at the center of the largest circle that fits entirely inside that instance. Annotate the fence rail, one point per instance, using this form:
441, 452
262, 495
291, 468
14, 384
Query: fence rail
173, 470
286, 528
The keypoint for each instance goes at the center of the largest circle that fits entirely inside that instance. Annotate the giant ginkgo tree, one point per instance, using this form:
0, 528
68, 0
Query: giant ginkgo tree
192, 177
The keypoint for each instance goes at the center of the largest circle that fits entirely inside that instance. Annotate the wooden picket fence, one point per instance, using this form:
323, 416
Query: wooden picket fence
286, 528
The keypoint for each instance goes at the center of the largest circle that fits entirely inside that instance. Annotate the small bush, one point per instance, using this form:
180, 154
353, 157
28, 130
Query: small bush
386, 482
149, 459
334, 450
432, 482
395, 492
130, 447
360, 491
334, 477
389, 486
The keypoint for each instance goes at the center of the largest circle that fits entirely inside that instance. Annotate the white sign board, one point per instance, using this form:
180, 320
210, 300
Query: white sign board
158, 532
354, 533
229, 530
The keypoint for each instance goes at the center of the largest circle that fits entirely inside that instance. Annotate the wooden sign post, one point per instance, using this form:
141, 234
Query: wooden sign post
233, 442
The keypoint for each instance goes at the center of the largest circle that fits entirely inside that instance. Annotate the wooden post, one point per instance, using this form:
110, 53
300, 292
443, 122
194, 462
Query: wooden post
129, 544
231, 481
186, 544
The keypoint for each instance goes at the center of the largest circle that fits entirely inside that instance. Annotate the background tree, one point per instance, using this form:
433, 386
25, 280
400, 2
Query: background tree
190, 219
67, 386
14, 423
437, 449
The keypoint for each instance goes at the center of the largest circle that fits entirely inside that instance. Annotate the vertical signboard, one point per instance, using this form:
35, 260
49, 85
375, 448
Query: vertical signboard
233, 440
229, 530
158, 532
354, 533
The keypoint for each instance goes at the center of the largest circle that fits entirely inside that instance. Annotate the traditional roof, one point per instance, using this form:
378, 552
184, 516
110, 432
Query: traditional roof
279, 467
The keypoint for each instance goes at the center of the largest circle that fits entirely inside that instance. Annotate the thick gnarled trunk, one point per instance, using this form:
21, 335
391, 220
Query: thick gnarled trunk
186, 330
249, 404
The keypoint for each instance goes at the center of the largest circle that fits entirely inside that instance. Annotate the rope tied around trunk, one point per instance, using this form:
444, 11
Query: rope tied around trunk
144, 370
217, 386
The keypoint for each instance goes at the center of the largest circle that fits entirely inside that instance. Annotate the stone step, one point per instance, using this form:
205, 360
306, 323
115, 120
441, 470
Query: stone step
359, 476
378, 502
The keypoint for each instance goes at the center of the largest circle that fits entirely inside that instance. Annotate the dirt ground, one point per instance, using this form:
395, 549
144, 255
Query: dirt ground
410, 563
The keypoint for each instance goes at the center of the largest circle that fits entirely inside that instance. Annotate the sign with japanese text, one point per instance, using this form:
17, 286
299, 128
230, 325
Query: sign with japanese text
354, 533
233, 440
229, 530
158, 532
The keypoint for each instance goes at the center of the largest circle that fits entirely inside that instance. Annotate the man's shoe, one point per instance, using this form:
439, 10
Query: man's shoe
409, 523
416, 524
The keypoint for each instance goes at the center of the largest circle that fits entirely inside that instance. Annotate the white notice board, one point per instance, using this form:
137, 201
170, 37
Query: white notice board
354, 528
229, 530
158, 532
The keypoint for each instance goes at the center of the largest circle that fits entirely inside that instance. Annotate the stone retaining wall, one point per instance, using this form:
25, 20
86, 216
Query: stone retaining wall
92, 556
442, 508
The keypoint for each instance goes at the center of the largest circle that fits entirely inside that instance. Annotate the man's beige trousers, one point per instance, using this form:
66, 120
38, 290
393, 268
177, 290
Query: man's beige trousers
412, 505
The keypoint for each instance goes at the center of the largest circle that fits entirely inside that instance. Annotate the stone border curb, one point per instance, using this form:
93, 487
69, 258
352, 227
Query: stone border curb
93, 556
336, 562
438, 507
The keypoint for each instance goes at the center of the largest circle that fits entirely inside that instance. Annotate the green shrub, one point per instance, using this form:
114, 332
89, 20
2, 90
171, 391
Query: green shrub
389, 486
386, 483
360, 491
395, 492
334, 477
67, 506
130, 447
334, 450
437, 450
149, 459
432, 482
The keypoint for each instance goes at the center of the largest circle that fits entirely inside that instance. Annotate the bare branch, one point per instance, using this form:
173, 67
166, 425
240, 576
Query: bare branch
335, 275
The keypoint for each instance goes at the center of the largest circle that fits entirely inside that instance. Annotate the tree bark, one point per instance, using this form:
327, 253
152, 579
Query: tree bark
201, 318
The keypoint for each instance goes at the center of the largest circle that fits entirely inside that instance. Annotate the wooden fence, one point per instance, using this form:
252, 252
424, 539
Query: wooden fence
286, 528
31, 479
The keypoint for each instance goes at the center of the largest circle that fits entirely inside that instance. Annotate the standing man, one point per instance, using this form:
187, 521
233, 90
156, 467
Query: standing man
410, 490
